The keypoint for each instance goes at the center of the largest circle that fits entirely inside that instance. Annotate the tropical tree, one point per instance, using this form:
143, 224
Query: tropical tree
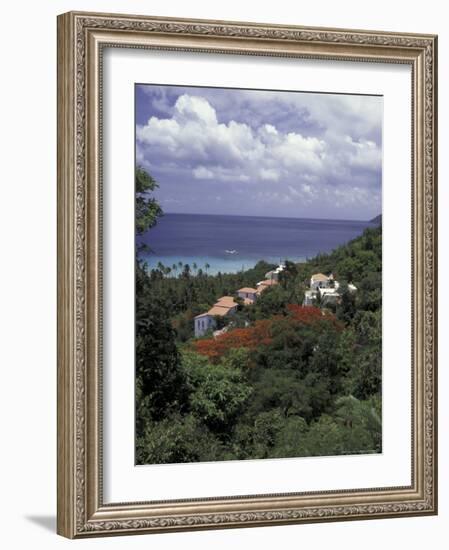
147, 208
289, 273
218, 392
177, 439
160, 382
186, 271
347, 306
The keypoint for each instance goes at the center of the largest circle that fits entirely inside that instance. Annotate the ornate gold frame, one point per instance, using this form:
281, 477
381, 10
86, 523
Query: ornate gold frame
81, 37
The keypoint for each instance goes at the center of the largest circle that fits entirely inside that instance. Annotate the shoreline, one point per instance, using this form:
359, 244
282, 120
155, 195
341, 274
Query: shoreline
233, 265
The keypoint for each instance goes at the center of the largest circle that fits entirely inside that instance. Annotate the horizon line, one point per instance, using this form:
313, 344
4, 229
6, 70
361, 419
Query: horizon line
274, 217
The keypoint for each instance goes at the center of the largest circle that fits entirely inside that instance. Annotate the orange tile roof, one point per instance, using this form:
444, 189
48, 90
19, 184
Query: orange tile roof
247, 289
267, 282
219, 310
221, 307
226, 301
320, 277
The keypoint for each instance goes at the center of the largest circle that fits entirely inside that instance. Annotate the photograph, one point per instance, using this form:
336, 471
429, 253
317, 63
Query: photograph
258, 274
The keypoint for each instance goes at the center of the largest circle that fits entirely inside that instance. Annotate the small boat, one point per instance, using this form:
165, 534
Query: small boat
231, 251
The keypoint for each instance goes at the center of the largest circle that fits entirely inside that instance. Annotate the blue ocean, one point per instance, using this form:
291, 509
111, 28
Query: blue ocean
233, 243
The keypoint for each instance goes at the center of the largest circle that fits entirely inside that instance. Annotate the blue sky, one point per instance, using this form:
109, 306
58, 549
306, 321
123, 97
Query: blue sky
261, 153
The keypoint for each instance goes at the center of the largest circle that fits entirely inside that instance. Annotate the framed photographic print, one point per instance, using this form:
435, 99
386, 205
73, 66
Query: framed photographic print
246, 274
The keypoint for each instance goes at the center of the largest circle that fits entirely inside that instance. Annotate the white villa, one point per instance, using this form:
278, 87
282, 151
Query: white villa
319, 280
248, 295
327, 288
223, 307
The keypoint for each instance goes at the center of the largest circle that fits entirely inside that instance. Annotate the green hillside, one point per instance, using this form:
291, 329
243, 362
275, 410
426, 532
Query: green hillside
285, 380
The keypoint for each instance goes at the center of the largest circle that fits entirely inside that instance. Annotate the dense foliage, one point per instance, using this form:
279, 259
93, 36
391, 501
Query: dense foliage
285, 380
147, 208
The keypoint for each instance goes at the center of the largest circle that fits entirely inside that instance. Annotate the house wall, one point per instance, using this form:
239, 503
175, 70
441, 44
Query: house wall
319, 284
308, 299
250, 295
203, 324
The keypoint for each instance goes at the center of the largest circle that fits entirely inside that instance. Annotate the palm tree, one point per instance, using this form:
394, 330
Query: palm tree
160, 266
175, 269
195, 267
206, 266
186, 271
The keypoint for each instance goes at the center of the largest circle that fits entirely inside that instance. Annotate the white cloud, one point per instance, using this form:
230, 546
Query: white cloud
202, 173
269, 174
364, 154
332, 167
225, 151
300, 153
194, 108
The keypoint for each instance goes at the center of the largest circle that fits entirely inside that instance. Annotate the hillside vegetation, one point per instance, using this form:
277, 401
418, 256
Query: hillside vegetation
284, 381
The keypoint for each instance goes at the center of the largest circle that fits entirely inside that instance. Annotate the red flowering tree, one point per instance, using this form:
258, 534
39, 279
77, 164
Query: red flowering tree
308, 315
250, 338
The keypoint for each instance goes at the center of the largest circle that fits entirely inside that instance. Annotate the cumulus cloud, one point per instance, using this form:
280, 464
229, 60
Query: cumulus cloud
213, 150
328, 153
